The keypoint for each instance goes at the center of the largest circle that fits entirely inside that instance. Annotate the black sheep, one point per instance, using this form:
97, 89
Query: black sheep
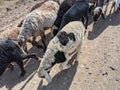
64, 7
10, 52
79, 11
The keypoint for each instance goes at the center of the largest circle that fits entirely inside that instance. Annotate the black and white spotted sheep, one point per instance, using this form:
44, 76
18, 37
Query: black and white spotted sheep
61, 49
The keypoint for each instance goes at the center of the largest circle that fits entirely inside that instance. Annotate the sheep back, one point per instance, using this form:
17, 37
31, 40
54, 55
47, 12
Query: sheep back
40, 18
64, 43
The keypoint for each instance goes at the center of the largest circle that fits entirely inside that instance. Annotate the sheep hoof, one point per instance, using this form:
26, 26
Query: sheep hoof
64, 67
22, 74
34, 56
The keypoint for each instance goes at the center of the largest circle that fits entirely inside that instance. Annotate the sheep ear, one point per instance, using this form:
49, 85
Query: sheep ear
48, 77
20, 24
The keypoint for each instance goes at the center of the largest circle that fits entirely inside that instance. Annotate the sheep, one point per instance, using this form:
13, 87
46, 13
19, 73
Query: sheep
98, 11
10, 52
36, 21
10, 33
116, 5
79, 11
33, 8
61, 48
64, 7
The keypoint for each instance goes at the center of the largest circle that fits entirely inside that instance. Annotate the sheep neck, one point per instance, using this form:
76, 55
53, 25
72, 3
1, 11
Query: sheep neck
48, 60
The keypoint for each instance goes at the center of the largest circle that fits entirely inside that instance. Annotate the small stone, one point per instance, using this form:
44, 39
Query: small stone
89, 73
116, 79
8, 9
112, 68
87, 68
104, 73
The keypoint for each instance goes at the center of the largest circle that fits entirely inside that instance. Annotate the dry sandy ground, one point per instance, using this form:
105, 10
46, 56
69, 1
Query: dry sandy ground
99, 63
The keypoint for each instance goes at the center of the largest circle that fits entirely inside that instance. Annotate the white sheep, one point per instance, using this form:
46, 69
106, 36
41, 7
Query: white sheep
61, 48
37, 21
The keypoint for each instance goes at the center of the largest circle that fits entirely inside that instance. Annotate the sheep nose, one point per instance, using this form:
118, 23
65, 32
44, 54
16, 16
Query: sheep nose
42, 76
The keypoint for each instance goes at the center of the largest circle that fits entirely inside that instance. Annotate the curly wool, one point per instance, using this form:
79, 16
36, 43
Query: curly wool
55, 46
42, 17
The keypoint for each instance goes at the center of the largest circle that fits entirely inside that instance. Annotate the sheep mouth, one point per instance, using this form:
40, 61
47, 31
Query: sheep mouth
42, 76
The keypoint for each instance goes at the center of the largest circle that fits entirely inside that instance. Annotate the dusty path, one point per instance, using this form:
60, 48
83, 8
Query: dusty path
99, 63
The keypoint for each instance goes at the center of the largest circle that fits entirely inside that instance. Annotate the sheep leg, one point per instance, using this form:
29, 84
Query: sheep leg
82, 19
20, 64
86, 22
34, 43
107, 3
25, 48
103, 16
43, 40
113, 6
78, 52
65, 64
118, 8
27, 56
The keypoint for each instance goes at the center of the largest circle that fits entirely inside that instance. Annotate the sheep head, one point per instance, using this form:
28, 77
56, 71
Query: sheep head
22, 41
97, 13
42, 73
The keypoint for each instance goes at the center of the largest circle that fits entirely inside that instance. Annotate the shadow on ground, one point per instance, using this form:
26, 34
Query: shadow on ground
101, 25
63, 78
11, 78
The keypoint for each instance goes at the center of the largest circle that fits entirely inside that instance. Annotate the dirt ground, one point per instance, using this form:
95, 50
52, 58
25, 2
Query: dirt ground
99, 63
